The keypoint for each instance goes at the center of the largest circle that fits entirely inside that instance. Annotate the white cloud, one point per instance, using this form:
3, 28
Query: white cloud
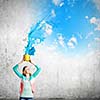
61, 4
97, 28
86, 17
96, 22
56, 2
88, 35
73, 39
89, 45
68, 17
97, 3
97, 39
71, 45
61, 40
94, 44
53, 14
72, 42
47, 28
80, 36
93, 20
71, 3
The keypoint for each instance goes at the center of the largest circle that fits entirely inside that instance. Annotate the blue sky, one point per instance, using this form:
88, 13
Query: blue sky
71, 26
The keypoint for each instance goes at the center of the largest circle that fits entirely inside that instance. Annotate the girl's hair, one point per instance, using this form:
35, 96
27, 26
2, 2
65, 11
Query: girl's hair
23, 71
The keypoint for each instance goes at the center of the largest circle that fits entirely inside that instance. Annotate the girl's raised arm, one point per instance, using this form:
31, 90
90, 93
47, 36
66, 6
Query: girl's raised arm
38, 69
15, 69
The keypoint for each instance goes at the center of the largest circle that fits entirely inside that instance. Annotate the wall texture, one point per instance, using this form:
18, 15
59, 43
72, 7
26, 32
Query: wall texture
61, 77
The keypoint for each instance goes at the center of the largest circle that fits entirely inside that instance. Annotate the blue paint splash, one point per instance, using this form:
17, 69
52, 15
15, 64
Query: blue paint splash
35, 36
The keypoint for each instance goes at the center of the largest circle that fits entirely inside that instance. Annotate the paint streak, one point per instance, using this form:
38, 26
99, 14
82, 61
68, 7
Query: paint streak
36, 35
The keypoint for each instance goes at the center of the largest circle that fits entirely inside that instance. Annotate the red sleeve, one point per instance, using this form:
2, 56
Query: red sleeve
33, 87
21, 87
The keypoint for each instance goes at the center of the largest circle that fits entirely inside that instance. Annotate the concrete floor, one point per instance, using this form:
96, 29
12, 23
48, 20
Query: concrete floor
57, 99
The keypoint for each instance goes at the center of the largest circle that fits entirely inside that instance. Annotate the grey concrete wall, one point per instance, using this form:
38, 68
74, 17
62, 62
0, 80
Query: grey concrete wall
61, 76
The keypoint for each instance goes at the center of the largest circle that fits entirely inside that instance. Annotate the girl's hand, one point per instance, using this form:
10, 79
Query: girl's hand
31, 62
23, 57
21, 61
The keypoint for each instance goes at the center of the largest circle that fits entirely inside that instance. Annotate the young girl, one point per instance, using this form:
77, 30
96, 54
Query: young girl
26, 76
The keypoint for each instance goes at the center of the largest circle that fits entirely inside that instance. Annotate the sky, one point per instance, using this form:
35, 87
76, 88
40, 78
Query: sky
70, 27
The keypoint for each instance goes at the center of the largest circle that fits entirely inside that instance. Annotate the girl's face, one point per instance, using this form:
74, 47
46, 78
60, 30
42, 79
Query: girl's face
27, 70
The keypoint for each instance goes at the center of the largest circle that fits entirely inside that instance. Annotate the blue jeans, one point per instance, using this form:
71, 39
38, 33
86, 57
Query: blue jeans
24, 98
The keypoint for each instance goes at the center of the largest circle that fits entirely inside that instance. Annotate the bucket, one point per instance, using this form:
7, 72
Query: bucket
26, 57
